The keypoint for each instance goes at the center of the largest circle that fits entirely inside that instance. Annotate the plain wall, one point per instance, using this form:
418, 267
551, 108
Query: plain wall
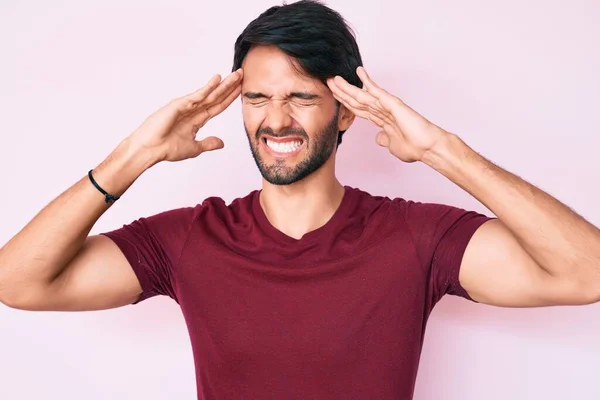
517, 80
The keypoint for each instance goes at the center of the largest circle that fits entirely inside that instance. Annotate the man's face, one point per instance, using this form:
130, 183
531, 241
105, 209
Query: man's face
291, 119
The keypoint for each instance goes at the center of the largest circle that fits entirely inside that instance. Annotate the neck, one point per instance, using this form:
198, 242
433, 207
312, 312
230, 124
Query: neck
303, 206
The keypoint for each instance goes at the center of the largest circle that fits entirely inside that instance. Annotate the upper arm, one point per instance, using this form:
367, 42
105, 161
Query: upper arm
497, 270
119, 267
98, 277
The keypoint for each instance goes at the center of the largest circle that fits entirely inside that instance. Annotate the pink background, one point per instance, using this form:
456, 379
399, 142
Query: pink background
516, 80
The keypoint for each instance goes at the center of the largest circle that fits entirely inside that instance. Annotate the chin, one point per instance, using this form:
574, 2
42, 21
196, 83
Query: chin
280, 174
288, 163
283, 172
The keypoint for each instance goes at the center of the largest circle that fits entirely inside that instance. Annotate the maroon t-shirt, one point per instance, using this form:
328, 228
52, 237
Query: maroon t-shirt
337, 314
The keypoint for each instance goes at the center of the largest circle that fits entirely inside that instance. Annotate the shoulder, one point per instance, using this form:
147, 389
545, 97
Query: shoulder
215, 208
212, 207
420, 212
417, 216
216, 204
367, 203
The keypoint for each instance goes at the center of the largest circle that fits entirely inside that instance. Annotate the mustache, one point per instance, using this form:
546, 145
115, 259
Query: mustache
283, 133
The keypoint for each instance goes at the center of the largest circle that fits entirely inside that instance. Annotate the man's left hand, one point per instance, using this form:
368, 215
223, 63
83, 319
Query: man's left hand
406, 133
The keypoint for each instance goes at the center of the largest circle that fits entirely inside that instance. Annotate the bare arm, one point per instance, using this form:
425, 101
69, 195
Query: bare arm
33, 262
537, 253
52, 263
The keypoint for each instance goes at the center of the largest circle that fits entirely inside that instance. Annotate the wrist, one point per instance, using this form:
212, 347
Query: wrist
445, 153
455, 160
123, 166
135, 156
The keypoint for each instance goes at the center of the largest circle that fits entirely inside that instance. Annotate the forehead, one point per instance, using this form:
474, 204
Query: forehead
269, 69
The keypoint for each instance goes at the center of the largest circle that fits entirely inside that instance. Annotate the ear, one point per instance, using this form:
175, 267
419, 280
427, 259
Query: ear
345, 118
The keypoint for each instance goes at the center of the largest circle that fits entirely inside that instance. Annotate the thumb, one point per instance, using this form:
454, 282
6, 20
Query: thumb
209, 144
383, 139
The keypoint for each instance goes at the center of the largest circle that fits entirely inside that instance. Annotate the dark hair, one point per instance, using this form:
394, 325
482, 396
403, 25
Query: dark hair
316, 36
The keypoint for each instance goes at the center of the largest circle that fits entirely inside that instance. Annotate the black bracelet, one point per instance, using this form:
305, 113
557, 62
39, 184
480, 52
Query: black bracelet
109, 198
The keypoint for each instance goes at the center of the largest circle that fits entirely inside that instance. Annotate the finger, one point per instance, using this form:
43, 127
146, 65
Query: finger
384, 98
338, 91
204, 91
359, 95
349, 102
372, 106
208, 144
383, 139
361, 113
386, 101
378, 111
216, 109
225, 97
371, 86
226, 102
225, 87
376, 120
205, 110
366, 100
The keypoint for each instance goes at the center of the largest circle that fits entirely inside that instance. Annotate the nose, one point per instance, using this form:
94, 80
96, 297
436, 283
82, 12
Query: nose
278, 116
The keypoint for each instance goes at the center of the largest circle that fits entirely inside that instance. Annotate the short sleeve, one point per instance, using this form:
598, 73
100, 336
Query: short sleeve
441, 234
153, 246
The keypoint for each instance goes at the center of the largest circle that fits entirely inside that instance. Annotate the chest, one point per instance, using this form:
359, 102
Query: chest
337, 314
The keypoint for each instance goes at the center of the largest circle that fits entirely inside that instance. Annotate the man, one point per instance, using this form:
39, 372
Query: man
306, 288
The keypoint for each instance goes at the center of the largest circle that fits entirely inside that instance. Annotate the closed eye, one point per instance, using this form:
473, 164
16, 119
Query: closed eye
295, 102
305, 99
256, 102
302, 99
255, 98
304, 103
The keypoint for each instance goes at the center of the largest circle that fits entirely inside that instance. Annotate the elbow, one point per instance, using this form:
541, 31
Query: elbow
590, 279
570, 291
13, 301
27, 300
9, 300
590, 285
8, 294
584, 292
593, 295
22, 294
581, 286
20, 304
10, 303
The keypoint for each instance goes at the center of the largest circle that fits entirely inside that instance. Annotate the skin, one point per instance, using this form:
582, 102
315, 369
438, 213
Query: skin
537, 253
53, 263
300, 192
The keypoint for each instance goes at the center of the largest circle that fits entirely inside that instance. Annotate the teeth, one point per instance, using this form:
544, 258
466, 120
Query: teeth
287, 147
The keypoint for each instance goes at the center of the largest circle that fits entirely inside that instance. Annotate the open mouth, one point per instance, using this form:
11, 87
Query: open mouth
285, 145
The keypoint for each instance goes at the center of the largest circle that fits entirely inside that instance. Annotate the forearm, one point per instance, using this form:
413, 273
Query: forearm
559, 240
41, 250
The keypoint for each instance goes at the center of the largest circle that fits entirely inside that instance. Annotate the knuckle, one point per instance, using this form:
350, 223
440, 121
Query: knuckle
178, 104
188, 105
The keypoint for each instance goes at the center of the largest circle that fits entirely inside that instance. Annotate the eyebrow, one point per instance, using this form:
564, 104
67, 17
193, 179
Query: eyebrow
299, 95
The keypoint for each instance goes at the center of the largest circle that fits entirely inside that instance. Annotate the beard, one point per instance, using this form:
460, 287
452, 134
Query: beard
318, 149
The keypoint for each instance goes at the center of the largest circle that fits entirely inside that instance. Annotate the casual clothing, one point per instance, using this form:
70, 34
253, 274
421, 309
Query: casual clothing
337, 314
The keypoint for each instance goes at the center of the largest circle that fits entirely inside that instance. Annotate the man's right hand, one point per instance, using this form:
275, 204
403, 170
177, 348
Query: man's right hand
52, 263
171, 131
